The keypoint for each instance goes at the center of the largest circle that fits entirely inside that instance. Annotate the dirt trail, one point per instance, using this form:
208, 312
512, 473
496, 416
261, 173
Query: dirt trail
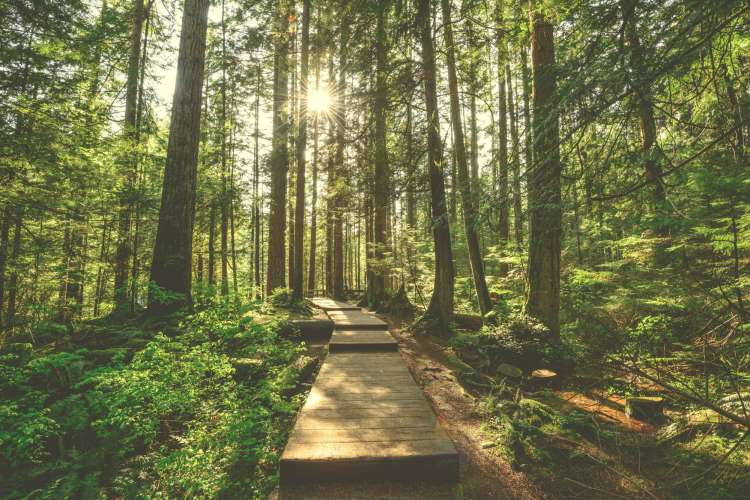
483, 474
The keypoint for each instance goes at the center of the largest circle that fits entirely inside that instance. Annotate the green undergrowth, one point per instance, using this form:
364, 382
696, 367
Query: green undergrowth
579, 455
201, 412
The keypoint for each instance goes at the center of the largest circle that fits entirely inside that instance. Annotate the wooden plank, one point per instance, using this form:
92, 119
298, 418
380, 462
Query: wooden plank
364, 435
366, 450
362, 341
366, 417
328, 304
356, 320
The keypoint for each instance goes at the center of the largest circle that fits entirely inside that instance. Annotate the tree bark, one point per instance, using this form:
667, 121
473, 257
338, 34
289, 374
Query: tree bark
545, 225
171, 268
314, 202
224, 195
212, 244
299, 215
256, 183
502, 150
645, 109
4, 239
441, 302
279, 155
469, 211
122, 255
338, 223
515, 160
15, 255
377, 286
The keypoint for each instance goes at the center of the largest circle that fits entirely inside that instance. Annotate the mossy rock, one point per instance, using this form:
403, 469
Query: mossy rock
247, 368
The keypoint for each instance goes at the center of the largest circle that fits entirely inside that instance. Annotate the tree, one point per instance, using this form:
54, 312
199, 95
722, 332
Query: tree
441, 303
171, 266
545, 211
464, 184
299, 216
279, 155
376, 285
645, 108
124, 249
502, 167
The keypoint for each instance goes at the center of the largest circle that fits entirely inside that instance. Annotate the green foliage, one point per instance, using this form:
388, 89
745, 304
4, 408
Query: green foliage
519, 340
174, 421
283, 298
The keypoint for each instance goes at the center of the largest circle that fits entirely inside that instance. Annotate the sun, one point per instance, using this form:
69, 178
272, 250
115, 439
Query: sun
319, 101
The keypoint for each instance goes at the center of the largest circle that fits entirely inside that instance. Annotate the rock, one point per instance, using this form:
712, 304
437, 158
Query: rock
646, 408
246, 368
488, 444
509, 370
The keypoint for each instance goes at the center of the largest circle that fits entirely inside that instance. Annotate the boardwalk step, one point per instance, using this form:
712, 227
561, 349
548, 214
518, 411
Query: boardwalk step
333, 305
361, 341
365, 417
356, 320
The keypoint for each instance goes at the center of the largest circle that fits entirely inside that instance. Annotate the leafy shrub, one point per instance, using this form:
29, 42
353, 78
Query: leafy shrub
653, 334
521, 341
171, 422
282, 297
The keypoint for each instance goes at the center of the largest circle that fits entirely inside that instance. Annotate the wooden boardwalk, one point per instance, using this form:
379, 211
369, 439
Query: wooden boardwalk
365, 416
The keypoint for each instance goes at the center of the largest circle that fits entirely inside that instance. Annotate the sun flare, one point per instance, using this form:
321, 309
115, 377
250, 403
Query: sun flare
319, 101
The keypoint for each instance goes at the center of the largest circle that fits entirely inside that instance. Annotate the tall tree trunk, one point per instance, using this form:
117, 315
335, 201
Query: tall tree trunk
292, 169
100, 273
299, 214
515, 160
233, 162
279, 155
545, 224
645, 109
338, 227
223, 196
4, 238
441, 303
140, 175
331, 189
528, 149
256, 185
14, 258
212, 244
314, 201
502, 150
122, 256
171, 267
469, 212
376, 294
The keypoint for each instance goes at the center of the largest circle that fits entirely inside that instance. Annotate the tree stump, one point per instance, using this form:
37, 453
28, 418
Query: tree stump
646, 408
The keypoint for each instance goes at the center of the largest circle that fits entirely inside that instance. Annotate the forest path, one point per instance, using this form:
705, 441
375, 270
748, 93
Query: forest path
366, 418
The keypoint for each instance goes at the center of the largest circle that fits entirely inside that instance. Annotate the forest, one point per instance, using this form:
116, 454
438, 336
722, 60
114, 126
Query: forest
547, 201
